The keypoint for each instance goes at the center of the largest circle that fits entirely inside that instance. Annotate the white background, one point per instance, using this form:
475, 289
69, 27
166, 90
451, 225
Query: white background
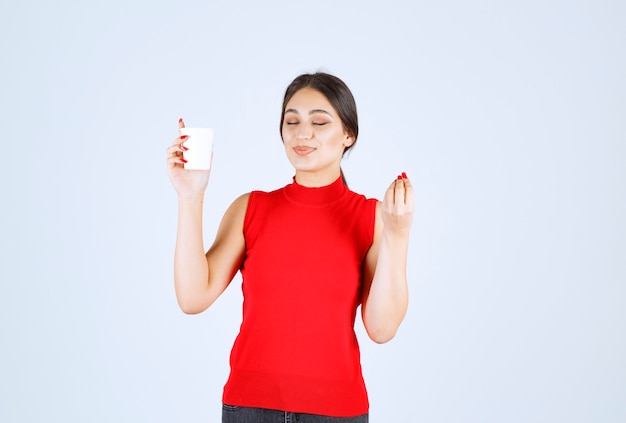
509, 116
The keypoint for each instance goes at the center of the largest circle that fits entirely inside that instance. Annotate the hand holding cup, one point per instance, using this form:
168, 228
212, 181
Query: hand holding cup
189, 160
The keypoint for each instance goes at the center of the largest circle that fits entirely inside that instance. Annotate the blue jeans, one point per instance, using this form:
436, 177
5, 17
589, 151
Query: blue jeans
236, 414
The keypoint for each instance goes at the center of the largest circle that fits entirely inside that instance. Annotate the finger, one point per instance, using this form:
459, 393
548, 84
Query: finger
176, 160
390, 194
408, 189
172, 155
181, 124
179, 141
408, 194
176, 147
399, 191
174, 151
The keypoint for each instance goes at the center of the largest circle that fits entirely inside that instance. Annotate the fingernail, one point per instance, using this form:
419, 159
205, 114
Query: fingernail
182, 147
184, 137
399, 177
180, 120
183, 160
404, 175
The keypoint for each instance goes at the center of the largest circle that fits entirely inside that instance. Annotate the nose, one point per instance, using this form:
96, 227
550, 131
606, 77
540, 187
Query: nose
304, 132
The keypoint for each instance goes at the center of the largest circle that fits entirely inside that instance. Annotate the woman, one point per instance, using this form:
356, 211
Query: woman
309, 253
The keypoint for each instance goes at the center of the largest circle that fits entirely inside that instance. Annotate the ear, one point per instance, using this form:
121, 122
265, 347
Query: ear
349, 140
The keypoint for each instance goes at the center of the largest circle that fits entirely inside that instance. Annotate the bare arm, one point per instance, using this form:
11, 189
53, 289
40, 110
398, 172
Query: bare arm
385, 290
200, 278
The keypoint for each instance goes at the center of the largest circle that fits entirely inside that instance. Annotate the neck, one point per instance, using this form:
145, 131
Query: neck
316, 196
315, 179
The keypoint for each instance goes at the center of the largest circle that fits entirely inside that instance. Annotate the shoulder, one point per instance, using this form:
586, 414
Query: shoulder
276, 191
236, 212
371, 205
257, 204
241, 202
362, 197
258, 197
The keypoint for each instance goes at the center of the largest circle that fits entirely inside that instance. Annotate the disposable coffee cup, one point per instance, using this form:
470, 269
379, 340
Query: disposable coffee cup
200, 146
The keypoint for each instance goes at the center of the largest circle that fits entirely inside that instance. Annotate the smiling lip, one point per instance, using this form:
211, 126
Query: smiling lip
303, 151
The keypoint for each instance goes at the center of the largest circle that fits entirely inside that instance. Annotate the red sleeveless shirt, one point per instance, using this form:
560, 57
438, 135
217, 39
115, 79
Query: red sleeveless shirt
296, 349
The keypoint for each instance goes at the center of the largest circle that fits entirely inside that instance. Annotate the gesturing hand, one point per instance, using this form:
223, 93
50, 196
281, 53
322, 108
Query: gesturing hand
187, 183
397, 208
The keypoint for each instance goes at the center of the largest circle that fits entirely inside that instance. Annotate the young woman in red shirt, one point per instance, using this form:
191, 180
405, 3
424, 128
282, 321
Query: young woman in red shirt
309, 253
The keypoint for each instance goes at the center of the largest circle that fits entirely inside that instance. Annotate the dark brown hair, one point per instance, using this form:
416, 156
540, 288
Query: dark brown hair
338, 95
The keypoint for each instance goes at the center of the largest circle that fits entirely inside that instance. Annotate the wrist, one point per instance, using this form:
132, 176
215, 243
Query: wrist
191, 199
398, 237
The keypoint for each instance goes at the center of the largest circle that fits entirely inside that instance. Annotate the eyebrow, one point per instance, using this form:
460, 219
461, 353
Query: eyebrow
312, 112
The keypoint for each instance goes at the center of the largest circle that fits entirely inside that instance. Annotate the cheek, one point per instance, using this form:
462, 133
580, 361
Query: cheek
287, 136
287, 131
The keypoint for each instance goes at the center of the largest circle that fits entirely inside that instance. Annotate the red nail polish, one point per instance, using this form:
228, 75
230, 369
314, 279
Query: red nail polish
182, 147
184, 137
404, 175
180, 120
183, 160
399, 177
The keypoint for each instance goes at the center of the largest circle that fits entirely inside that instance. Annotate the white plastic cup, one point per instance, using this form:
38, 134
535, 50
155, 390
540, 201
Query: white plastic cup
200, 146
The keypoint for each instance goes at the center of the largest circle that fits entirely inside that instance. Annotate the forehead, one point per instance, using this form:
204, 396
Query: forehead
306, 99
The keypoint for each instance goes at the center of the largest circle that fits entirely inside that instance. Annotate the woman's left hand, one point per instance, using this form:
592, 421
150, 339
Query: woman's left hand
397, 208
385, 288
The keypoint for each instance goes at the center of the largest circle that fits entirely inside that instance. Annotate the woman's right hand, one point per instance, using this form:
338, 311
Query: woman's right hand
187, 183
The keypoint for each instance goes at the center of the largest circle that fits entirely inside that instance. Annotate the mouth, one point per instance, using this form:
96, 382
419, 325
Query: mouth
303, 150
